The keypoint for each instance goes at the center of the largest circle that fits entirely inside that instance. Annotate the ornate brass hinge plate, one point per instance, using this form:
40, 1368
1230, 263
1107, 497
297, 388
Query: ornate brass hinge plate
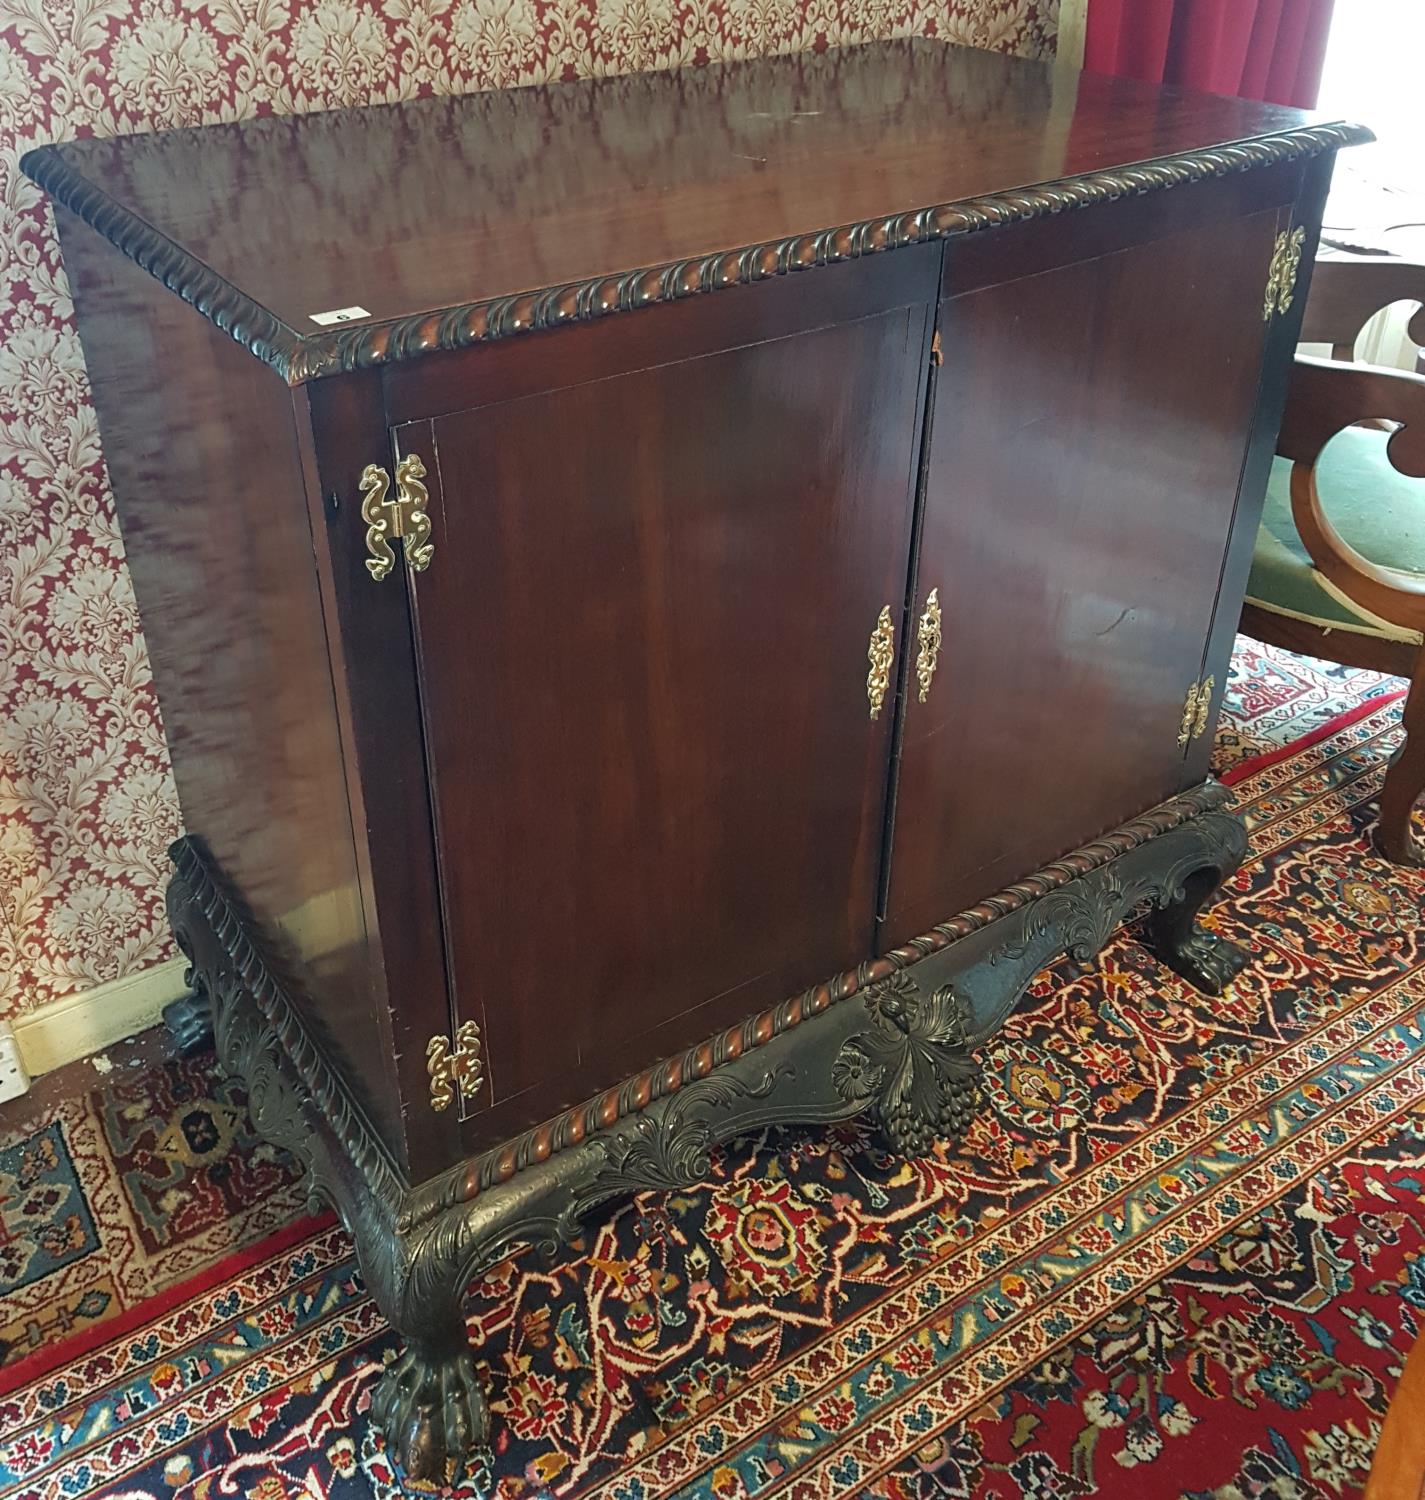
460, 1071
929, 638
1281, 273
400, 518
1197, 711
880, 653
1204, 707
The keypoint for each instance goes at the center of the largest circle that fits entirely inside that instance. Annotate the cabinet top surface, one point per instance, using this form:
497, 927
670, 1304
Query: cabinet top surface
443, 219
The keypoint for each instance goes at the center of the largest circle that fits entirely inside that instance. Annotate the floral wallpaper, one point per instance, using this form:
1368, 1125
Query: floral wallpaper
87, 806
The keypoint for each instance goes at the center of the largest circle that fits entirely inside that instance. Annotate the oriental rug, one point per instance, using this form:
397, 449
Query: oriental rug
1277, 703
1181, 1252
128, 1191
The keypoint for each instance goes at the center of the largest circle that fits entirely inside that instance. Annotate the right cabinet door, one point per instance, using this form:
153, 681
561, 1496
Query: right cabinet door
1089, 427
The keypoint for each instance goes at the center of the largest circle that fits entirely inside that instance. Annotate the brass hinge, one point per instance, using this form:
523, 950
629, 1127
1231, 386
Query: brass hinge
1204, 707
460, 1071
930, 639
1197, 711
937, 354
1281, 273
402, 517
880, 653
1189, 717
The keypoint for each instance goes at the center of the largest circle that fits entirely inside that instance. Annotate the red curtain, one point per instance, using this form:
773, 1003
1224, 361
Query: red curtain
1261, 49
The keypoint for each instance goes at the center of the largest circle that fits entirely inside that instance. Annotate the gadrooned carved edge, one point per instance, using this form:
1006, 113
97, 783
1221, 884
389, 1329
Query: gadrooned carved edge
246, 965
299, 358
242, 319
463, 1183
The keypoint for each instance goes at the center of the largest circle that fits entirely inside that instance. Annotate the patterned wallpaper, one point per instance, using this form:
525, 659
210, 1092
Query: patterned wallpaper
87, 806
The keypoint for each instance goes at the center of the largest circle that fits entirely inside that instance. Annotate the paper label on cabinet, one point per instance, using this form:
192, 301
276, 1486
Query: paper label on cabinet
339, 315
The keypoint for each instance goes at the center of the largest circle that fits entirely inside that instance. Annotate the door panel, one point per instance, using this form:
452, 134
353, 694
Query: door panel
1088, 437
658, 793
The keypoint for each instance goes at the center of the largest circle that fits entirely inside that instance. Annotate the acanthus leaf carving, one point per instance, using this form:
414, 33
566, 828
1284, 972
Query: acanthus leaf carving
674, 1148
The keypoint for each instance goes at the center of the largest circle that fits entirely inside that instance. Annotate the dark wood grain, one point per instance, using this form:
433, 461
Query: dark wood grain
1090, 428
207, 475
1323, 398
603, 778
1314, 181
373, 669
464, 203
980, 261
445, 202
1372, 653
658, 790
421, 1250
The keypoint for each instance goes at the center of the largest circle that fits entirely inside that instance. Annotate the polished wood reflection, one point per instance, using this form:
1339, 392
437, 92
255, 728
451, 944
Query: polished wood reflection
659, 792
437, 202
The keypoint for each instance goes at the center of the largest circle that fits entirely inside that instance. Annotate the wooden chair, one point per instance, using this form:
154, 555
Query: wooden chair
1339, 567
1398, 1469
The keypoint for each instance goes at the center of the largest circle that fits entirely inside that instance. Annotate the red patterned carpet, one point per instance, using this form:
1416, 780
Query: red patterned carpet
127, 1192
1181, 1253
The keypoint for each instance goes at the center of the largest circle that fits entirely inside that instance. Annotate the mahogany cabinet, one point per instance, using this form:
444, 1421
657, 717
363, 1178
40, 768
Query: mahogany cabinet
663, 635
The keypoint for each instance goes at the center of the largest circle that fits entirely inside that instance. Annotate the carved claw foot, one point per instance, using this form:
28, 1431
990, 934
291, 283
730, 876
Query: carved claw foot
431, 1413
190, 1022
1208, 962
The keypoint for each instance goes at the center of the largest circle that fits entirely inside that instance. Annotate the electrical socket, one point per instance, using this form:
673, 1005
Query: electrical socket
14, 1080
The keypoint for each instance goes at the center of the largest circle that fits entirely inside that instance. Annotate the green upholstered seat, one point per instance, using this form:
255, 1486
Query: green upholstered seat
1378, 510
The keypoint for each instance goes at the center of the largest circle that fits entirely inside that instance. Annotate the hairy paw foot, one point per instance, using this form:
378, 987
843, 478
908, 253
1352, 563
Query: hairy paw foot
431, 1413
1208, 962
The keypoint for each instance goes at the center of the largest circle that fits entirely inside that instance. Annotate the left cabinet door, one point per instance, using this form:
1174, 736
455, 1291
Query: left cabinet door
657, 784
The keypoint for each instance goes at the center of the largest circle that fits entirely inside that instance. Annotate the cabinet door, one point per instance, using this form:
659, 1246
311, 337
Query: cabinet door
1089, 428
658, 790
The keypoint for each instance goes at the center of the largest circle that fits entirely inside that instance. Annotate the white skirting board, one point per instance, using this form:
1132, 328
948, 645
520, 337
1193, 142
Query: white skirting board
83, 1024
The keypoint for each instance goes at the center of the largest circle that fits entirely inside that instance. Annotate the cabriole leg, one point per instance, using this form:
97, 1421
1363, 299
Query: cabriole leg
1405, 782
428, 1403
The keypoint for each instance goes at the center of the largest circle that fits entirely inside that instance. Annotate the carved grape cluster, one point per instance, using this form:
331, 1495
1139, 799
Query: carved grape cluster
914, 1063
913, 1130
